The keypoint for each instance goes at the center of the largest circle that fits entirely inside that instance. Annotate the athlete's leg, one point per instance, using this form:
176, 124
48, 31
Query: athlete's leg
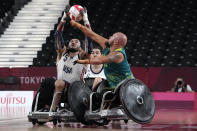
59, 87
97, 81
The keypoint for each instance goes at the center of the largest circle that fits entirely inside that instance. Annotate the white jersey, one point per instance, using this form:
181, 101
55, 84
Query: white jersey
91, 74
67, 71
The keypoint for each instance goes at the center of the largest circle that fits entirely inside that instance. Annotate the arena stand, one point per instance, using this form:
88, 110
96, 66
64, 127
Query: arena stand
4, 18
160, 33
9, 9
24, 36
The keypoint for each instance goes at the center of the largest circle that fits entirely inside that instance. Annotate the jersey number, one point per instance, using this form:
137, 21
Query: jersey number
67, 69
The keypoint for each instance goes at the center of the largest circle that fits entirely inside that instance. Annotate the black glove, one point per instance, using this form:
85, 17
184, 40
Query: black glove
67, 8
68, 19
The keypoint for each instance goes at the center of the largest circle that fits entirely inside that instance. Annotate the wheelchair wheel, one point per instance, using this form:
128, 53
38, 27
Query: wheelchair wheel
45, 94
78, 98
137, 101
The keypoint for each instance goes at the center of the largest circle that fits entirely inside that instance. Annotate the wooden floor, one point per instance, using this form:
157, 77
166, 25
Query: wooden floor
164, 119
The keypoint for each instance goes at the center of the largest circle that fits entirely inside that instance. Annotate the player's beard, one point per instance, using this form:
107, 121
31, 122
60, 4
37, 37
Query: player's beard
73, 50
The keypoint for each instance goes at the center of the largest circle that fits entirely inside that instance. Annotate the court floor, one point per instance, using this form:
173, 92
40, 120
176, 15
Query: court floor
164, 119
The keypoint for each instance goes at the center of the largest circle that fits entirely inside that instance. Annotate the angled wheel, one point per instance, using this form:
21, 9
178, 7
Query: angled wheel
78, 97
34, 103
45, 94
137, 101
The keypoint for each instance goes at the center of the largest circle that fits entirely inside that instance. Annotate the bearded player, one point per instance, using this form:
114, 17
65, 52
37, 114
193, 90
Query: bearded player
67, 70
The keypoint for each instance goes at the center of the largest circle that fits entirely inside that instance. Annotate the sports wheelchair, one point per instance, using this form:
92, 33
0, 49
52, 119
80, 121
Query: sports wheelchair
131, 99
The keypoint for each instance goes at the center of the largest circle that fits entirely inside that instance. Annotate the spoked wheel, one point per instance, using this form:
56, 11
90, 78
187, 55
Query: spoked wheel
78, 98
137, 101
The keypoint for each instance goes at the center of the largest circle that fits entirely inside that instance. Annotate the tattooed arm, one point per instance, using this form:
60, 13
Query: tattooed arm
114, 57
99, 39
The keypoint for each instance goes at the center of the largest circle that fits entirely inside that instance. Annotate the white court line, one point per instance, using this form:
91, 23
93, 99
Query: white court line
13, 119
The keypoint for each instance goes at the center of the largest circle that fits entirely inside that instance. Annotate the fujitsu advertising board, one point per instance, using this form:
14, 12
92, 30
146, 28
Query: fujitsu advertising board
16, 98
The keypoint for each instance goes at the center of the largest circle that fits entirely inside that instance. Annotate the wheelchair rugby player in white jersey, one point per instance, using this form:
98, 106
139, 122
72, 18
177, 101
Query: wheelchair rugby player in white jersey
53, 92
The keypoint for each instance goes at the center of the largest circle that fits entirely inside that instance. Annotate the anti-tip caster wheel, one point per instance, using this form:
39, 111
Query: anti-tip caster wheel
126, 121
34, 122
54, 122
59, 121
41, 123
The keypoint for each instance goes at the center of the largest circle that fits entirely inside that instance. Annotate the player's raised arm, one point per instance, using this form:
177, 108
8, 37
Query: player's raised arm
99, 39
59, 41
